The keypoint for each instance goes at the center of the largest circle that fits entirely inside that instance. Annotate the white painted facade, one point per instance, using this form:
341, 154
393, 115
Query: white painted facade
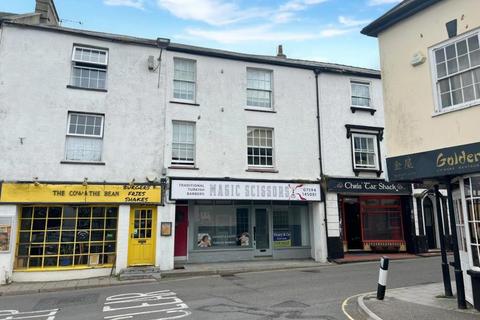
35, 70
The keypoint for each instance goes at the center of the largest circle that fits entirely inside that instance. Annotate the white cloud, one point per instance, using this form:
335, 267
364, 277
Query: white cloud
266, 32
213, 12
125, 3
350, 22
286, 12
381, 2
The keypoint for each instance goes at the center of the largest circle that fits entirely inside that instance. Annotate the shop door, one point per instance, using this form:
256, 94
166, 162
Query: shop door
141, 245
429, 223
181, 231
261, 232
353, 225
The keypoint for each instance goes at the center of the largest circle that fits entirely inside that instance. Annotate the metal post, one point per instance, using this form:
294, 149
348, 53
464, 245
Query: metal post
382, 278
445, 270
456, 255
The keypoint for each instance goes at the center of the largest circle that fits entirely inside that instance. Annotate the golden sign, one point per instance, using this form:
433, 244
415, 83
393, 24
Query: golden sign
79, 193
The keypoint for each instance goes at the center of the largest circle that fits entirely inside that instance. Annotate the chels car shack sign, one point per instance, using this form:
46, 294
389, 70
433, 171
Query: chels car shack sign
346, 185
243, 190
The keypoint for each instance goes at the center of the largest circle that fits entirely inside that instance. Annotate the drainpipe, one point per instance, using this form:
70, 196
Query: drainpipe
317, 72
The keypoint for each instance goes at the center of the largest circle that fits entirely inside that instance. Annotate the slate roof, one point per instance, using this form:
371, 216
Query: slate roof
274, 60
398, 13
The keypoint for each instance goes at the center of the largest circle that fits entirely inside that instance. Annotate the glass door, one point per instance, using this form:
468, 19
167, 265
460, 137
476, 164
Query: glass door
261, 232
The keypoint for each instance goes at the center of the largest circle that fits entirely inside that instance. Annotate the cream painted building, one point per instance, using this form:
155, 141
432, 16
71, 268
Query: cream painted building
430, 61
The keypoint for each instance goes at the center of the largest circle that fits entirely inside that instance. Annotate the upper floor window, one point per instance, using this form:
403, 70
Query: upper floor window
259, 88
84, 137
260, 147
183, 143
89, 68
365, 153
457, 72
184, 79
360, 94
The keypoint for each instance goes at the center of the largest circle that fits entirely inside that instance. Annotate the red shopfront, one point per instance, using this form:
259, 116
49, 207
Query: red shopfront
372, 223
373, 214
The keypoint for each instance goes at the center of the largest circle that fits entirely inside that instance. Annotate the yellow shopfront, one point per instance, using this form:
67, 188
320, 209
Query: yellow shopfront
64, 227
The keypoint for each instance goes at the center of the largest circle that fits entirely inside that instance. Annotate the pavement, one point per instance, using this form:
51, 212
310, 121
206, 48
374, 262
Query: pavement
425, 301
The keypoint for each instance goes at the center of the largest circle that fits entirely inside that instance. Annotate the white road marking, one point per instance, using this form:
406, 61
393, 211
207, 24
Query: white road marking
139, 305
17, 315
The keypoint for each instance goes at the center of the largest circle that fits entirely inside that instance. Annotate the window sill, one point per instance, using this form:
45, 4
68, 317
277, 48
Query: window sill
264, 170
259, 110
185, 103
88, 89
297, 247
98, 163
183, 167
453, 109
359, 170
355, 108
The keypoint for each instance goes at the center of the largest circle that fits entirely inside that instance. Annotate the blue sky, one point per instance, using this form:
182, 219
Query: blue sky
323, 30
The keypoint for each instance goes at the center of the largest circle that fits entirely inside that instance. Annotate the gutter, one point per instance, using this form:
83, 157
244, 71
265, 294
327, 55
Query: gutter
317, 94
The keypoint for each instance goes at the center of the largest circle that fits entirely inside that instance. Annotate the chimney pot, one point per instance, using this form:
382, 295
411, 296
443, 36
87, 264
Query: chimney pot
280, 53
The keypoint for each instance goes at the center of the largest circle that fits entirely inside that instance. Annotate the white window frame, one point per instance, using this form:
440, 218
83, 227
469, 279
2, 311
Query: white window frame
92, 67
365, 83
433, 69
375, 147
273, 148
194, 82
88, 136
270, 108
185, 163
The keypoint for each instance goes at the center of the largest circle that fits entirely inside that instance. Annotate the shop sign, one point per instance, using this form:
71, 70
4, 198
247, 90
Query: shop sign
243, 190
282, 239
367, 186
79, 193
451, 161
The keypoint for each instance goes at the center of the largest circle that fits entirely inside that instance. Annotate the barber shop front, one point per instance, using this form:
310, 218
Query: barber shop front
51, 231
374, 214
231, 220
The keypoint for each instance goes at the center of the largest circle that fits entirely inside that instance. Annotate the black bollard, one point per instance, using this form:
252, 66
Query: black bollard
382, 278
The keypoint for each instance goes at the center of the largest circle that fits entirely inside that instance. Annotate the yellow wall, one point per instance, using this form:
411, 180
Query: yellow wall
408, 96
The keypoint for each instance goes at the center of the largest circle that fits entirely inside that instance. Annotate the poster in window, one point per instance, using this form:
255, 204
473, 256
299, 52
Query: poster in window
204, 240
5, 233
166, 229
282, 239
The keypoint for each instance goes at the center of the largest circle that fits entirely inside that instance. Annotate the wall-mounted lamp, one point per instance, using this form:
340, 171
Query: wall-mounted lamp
85, 181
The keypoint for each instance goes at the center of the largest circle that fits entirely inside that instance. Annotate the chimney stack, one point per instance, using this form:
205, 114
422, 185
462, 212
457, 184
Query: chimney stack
48, 12
280, 53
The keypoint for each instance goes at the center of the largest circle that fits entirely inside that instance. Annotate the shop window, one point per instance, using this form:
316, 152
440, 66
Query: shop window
259, 88
381, 221
290, 227
260, 147
84, 137
457, 72
221, 227
184, 77
89, 68
473, 214
66, 237
183, 143
360, 94
365, 153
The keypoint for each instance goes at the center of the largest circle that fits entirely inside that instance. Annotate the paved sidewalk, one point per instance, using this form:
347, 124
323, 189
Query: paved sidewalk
189, 270
18, 288
419, 302
202, 269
